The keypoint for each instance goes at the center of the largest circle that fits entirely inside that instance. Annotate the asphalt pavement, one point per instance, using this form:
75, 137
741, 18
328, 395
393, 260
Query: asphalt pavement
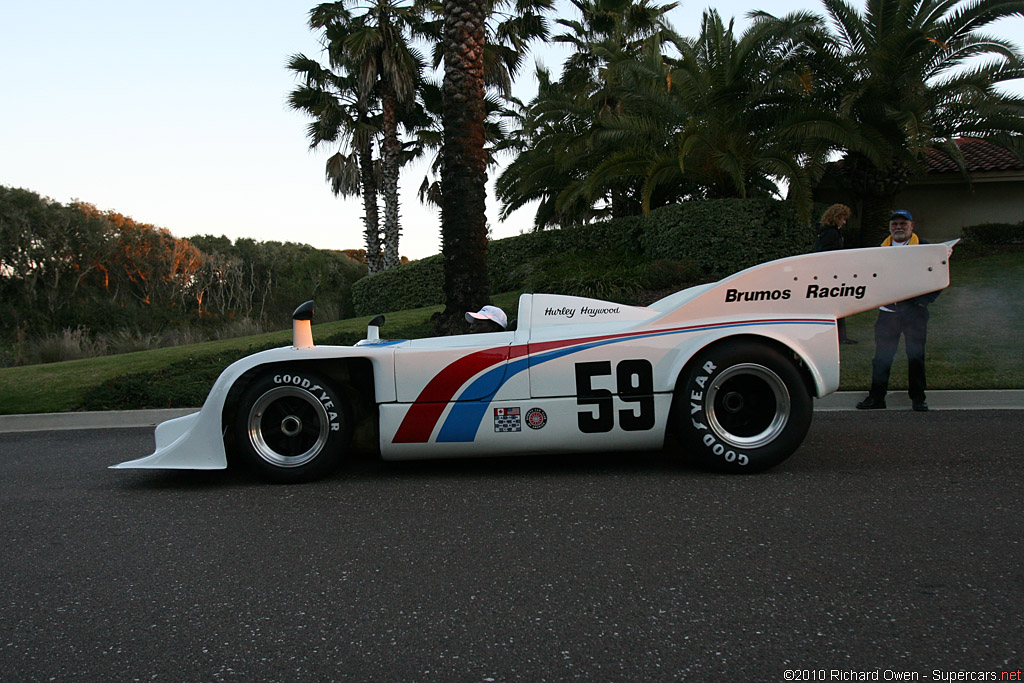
839, 401
887, 548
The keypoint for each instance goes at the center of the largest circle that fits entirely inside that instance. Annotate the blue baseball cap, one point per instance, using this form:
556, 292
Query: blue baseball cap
902, 213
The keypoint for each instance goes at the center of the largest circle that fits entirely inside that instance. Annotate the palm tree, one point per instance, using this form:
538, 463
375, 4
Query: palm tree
553, 157
467, 26
375, 40
909, 75
463, 163
607, 30
739, 107
557, 148
341, 111
425, 123
671, 119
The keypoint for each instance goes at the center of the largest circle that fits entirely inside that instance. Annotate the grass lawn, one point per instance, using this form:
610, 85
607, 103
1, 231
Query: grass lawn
974, 342
60, 387
975, 331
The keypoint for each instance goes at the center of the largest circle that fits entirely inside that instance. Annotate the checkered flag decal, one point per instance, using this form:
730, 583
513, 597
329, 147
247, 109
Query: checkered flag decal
507, 420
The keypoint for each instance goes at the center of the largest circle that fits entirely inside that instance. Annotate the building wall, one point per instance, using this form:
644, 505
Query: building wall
942, 209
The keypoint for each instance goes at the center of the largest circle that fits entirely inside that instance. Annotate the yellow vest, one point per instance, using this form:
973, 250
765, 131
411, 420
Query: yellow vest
888, 240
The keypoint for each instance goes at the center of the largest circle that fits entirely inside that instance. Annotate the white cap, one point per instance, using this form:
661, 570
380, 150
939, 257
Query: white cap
489, 313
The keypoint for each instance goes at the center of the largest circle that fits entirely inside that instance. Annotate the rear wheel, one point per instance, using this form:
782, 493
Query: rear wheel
291, 426
741, 407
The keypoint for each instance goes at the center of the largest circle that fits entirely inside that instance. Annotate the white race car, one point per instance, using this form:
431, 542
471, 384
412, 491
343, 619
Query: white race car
723, 372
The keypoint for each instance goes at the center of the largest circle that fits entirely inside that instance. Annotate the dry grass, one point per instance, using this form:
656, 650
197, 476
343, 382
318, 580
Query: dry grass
79, 343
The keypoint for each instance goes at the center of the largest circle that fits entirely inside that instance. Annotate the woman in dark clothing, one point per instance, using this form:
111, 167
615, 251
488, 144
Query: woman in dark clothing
830, 237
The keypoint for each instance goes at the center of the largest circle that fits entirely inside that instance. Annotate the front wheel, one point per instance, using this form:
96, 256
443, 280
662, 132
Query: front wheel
291, 426
741, 407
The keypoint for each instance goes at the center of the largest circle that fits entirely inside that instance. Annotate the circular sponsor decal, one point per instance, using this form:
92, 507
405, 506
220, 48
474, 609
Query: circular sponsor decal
536, 418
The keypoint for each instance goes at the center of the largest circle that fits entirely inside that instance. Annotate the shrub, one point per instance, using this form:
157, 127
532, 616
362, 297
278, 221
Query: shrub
410, 285
184, 384
616, 259
73, 343
994, 233
69, 344
723, 236
513, 261
614, 277
668, 273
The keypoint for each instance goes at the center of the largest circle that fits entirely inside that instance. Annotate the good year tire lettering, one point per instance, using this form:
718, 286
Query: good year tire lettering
296, 380
697, 389
317, 391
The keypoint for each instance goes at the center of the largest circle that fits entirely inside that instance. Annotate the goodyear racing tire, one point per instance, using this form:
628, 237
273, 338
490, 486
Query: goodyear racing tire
291, 426
741, 407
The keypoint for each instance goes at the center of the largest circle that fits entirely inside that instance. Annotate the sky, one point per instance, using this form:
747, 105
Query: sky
175, 114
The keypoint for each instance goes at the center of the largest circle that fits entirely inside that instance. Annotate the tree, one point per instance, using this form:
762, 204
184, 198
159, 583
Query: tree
909, 75
557, 146
463, 163
643, 117
607, 31
341, 111
378, 45
465, 31
741, 113
374, 67
425, 122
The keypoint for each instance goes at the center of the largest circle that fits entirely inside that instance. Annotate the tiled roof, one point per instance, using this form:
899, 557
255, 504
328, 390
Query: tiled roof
979, 155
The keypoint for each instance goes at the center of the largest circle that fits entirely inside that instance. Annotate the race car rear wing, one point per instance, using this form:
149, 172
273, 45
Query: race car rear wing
832, 284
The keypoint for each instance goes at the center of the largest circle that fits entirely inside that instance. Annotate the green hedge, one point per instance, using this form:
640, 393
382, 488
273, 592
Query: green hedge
513, 263
724, 236
614, 259
994, 233
411, 285
184, 384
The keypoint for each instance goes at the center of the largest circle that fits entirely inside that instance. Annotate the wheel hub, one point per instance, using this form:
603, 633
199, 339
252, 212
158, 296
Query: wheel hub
733, 401
291, 425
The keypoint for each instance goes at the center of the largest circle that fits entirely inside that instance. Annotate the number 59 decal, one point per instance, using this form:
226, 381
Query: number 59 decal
634, 383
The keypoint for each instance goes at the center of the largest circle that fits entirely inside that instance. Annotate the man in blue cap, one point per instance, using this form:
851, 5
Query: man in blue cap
909, 318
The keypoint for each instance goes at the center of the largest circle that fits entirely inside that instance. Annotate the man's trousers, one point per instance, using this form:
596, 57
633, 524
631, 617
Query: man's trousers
912, 322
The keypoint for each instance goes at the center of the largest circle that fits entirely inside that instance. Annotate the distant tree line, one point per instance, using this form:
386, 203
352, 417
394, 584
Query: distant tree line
73, 265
